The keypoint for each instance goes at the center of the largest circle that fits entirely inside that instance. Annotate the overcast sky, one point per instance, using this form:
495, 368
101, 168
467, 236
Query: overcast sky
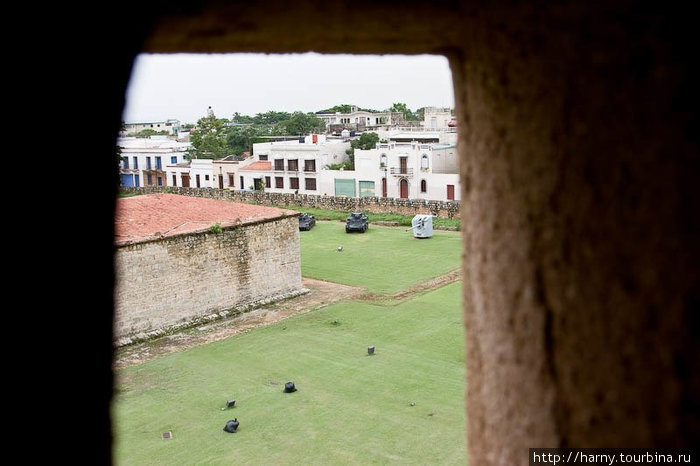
182, 86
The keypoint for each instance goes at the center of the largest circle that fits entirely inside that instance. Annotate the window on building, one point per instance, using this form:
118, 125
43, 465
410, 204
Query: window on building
160, 181
206, 177
158, 163
279, 164
310, 184
268, 183
174, 180
279, 182
262, 157
173, 159
125, 162
293, 165
382, 161
136, 163
197, 179
294, 183
423, 186
230, 180
150, 180
148, 163
424, 162
310, 166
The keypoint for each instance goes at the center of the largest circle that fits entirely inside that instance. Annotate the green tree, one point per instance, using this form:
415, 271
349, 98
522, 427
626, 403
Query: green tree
304, 123
271, 118
342, 108
408, 115
346, 108
242, 138
366, 141
209, 139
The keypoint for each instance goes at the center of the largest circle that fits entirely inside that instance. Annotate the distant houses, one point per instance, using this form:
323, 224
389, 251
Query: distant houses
407, 163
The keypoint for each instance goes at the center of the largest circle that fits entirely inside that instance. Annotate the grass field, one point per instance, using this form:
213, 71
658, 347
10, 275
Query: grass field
350, 407
385, 260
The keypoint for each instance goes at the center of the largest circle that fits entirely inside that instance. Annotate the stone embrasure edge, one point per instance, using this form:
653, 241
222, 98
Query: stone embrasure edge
232, 312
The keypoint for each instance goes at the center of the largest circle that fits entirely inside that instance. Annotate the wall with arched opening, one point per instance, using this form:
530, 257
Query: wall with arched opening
578, 162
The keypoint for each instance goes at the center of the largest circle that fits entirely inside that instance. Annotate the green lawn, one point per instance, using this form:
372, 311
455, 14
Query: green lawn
350, 408
383, 259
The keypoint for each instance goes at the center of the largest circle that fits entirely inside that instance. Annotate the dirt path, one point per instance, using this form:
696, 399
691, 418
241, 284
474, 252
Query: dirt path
321, 293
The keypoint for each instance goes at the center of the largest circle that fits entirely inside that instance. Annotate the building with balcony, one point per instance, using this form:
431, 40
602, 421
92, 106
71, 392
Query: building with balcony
360, 120
291, 166
408, 170
144, 160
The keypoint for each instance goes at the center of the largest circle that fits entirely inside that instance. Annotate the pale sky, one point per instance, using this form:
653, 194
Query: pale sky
183, 86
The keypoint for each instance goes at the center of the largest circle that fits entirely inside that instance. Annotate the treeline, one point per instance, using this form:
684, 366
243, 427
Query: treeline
215, 138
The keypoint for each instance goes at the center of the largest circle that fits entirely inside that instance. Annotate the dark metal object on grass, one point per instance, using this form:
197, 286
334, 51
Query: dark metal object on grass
306, 222
357, 221
232, 426
289, 387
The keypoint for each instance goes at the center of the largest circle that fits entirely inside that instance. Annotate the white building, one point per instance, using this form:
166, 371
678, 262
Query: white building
408, 165
408, 170
360, 120
144, 160
197, 173
291, 166
171, 126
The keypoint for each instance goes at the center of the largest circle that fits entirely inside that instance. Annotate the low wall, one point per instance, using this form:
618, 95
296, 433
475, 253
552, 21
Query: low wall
174, 282
441, 209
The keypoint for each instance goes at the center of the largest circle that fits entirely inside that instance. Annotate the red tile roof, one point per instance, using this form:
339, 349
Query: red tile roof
258, 166
153, 216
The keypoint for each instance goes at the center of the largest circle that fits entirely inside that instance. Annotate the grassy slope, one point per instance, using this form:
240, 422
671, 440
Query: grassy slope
350, 408
384, 259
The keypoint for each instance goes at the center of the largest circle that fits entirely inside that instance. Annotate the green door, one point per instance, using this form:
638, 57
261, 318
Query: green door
345, 187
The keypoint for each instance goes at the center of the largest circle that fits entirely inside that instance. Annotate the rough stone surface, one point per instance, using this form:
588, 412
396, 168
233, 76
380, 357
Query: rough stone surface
167, 283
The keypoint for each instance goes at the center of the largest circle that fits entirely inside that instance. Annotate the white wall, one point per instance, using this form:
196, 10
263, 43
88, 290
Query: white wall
205, 169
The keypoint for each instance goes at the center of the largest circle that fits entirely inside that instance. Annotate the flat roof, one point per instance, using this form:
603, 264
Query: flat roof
154, 216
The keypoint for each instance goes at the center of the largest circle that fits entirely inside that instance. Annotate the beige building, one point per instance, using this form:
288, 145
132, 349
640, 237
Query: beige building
175, 267
436, 118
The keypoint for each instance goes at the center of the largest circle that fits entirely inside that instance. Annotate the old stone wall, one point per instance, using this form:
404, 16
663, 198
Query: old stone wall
442, 209
175, 281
